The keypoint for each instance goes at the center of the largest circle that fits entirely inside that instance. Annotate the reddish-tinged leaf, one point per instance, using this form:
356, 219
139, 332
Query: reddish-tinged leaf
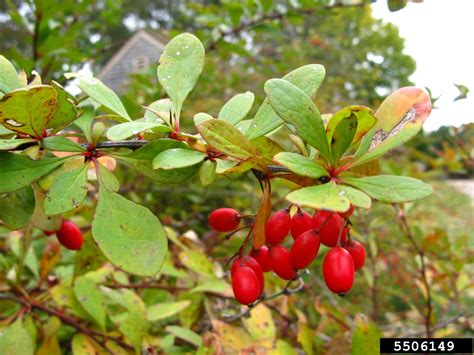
399, 118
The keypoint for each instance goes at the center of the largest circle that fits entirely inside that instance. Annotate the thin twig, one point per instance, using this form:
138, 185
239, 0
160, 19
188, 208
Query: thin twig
95, 335
405, 228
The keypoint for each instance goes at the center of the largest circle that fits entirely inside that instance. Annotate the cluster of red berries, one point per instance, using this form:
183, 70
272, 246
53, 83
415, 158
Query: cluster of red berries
344, 258
69, 235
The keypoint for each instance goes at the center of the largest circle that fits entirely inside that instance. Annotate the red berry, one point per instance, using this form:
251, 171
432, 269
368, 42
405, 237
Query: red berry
338, 270
49, 233
329, 225
301, 222
357, 252
277, 227
279, 258
251, 263
224, 219
69, 235
348, 213
261, 255
245, 285
304, 250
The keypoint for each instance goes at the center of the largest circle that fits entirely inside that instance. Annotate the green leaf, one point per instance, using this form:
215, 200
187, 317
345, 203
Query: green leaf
108, 178
91, 299
9, 144
226, 139
100, 93
8, 76
16, 208
129, 235
141, 159
342, 137
237, 108
126, 130
300, 165
185, 334
17, 171
67, 192
198, 262
177, 158
84, 122
391, 188
180, 66
201, 117
213, 285
66, 110
133, 323
165, 310
61, 144
6, 133
321, 197
365, 338
159, 111
297, 109
308, 78
355, 197
207, 173
15, 339
84, 345
399, 118
365, 121
28, 110
40, 219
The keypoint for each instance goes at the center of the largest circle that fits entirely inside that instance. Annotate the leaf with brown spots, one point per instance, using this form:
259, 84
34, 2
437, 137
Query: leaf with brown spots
28, 110
399, 118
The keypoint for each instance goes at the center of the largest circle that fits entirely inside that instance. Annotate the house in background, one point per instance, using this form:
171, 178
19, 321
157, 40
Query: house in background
142, 50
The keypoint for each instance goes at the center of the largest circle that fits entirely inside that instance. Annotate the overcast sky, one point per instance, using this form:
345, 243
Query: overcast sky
439, 35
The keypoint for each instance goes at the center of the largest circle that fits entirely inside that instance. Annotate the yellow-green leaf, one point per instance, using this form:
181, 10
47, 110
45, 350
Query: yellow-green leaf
300, 165
227, 139
237, 108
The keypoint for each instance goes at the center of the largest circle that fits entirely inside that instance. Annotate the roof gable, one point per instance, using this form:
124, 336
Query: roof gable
138, 37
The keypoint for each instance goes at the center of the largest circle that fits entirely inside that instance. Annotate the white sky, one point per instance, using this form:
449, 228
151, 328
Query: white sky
439, 35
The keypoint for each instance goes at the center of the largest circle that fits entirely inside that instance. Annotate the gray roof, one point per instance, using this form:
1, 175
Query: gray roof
142, 50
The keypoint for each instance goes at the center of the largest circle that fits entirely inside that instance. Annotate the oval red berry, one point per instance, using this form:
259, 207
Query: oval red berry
329, 225
245, 285
224, 219
301, 222
277, 227
357, 252
338, 270
279, 258
69, 235
253, 264
304, 250
261, 255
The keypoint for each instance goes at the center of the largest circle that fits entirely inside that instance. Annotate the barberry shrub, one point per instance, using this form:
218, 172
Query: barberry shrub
50, 141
